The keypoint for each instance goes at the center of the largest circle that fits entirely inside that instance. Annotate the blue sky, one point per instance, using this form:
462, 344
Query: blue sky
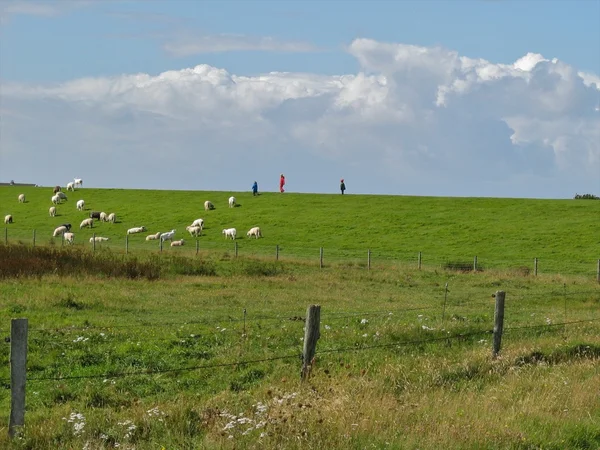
530, 116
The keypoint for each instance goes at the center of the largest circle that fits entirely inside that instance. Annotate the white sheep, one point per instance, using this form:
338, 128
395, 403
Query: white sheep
103, 217
208, 205
77, 182
135, 230
198, 223
153, 237
69, 237
86, 223
71, 186
59, 230
52, 211
229, 233
80, 205
231, 202
168, 236
98, 239
8, 218
55, 199
111, 218
21, 198
255, 231
195, 231
178, 243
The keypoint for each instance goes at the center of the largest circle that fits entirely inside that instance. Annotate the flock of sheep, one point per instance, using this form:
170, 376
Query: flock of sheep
64, 230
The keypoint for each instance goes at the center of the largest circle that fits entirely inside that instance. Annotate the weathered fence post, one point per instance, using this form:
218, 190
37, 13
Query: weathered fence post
94, 241
34, 238
244, 335
197, 246
535, 261
18, 373
475, 264
62, 239
368, 259
5, 235
235, 249
598, 272
498, 322
419, 261
160, 242
277, 253
311, 336
126, 243
445, 300
320, 257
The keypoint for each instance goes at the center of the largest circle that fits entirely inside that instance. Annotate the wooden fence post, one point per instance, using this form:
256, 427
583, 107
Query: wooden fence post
277, 253
34, 238
475, 264
62, 239
320, 257
535, 261
94, 241
160, 242
5, 235
369, 259
311, 336
498, 322
197, 246
126, 244
235, 249
445, 300
18, 373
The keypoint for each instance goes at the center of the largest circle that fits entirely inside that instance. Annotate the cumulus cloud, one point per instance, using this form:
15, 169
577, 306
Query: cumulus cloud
414, 120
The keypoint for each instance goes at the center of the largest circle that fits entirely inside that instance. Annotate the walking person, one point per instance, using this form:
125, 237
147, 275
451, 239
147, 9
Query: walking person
281, 183
342, 186
255, 189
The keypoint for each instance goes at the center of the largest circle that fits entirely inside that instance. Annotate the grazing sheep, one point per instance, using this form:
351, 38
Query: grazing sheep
59, 230
56, 189
8, 218
198, 223
255, 231
61, 195
55, 199
98, 239
208, 205
77, 182
195, 231
178, 243
69, 237
153, 237
71, 186
95, 215
111, 218
21, 198
135, 230
86, 223
229, 233
103, 217
168, 236
52, 211
66, 225
80, 205
231, 202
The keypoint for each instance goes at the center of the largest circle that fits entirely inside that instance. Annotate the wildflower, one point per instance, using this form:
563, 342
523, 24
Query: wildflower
364, 321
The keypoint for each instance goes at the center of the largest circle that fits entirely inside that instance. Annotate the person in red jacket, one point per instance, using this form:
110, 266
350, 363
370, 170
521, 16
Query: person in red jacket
281, 183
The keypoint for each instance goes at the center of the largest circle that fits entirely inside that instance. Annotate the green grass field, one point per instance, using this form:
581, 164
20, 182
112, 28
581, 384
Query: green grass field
208, 354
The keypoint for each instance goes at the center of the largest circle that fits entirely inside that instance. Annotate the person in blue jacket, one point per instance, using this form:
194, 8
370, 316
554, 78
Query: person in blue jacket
255, 188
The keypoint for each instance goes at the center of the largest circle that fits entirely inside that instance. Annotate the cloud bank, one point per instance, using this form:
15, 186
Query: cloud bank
414, 120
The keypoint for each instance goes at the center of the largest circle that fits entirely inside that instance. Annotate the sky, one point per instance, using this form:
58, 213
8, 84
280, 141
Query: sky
478, 98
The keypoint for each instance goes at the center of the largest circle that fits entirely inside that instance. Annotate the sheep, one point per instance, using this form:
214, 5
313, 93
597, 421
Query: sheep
229, 233
111, 218
195, 231
103, 217
55, 199
98, 239
71, 186
61, 195
153, 237
21, 198
198, 223
178, 243
52, 211
231, 202
66, 225
56, 189
135, 230
8, 218
255, 231
86, 223
95, 215
69, 237
208, 205
78, 182
59, 230
80, 205
168, 236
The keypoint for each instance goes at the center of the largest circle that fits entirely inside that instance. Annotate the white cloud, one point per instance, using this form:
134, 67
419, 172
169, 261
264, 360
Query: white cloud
48, 8
415, 120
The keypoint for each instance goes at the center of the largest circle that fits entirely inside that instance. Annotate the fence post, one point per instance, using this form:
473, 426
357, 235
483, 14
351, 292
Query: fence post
235, 248
475, 264
445, 300
18, 373
369, 259
419, 261
598, 272
62, 239
197, 246
311, 336
320, 257
34, 238
535, 261
126, 244
244, 335
160, 242
94, 242
498, 322
277, 254
5, 235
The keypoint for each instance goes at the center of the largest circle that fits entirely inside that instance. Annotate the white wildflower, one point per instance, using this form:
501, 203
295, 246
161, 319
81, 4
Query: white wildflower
363, 321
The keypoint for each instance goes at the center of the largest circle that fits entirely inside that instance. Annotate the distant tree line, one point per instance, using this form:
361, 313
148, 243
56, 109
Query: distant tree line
586, 197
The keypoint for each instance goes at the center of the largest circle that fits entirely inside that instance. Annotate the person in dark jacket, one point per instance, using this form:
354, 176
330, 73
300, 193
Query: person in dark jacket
281, 183
255, 189
342, 186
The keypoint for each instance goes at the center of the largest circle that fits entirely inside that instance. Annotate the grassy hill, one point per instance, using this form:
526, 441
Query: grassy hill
563, 234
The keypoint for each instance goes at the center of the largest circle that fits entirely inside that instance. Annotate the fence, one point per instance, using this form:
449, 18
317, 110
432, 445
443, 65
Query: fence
365, 257
19, 342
